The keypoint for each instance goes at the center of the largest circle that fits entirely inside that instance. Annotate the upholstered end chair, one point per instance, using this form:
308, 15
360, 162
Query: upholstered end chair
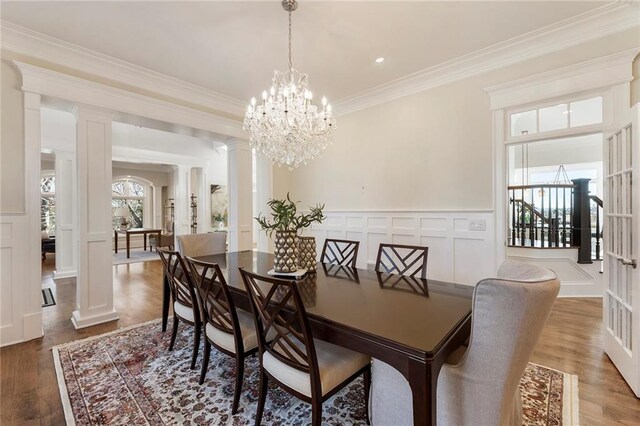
167, 239
480, 385
194, 245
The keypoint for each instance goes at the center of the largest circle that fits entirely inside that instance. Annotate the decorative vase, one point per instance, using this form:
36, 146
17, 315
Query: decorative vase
285, 252
307, 253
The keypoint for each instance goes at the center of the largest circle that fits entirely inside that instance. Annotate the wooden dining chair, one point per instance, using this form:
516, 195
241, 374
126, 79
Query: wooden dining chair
229, 329
185, 300
310, 369
340, 252
402, 260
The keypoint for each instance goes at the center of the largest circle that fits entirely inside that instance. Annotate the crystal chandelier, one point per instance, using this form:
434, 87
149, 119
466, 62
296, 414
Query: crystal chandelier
286, 126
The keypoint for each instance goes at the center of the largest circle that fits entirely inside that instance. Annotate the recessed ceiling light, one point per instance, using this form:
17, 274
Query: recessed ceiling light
379, 60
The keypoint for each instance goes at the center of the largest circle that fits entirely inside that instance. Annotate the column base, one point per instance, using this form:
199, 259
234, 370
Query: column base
80, 321
64, 274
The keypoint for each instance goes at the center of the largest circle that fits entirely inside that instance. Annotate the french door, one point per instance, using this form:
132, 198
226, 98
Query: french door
621, 301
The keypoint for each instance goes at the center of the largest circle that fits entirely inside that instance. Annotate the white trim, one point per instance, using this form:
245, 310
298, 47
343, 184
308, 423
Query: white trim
79, 91
27, 42
578, 78
598, 23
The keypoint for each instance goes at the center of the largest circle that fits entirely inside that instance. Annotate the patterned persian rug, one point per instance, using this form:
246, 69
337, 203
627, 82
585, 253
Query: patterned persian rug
128, 377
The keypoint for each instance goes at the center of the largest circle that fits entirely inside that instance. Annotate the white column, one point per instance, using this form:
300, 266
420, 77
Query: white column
30, 284
240, 195
157, 206
182, 183
264, 192
66, 220
95, 269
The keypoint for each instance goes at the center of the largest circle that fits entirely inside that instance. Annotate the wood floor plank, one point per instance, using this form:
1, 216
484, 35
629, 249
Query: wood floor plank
571, 342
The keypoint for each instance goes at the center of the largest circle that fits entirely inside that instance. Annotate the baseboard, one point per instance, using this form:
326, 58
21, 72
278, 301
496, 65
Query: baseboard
32, 326
64, 274
87, 321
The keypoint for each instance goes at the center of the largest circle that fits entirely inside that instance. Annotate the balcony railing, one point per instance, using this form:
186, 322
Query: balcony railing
541, 215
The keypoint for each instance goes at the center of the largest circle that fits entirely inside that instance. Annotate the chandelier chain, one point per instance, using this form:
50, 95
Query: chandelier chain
290, 45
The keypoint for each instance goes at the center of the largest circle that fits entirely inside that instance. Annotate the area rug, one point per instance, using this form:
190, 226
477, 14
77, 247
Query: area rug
136, 255
129, 377
47, 298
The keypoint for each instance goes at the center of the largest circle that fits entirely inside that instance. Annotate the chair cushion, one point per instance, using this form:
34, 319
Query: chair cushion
336, 364
247, 329
183, 311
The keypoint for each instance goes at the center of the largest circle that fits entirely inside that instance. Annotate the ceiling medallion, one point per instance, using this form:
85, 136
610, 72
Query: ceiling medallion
286, 126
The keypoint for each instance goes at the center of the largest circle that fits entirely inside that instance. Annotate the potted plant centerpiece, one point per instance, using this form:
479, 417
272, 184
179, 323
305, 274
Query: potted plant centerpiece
286, 221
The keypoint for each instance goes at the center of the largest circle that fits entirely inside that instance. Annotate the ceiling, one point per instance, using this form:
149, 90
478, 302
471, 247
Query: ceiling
233, 47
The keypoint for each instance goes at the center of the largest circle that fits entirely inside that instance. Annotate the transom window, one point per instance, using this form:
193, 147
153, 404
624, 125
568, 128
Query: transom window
583, 112
128, 196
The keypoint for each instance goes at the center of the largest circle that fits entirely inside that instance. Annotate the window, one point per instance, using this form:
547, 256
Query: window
48, 204
562, 116
130, 195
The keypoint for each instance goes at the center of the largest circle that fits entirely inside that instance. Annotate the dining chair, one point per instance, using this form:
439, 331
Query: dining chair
194, 245
166, 239
402, 260
308, 368
229, 329
185, 300
479, 385
340, 252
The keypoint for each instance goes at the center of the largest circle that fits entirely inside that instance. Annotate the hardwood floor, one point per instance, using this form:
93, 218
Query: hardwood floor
29, 392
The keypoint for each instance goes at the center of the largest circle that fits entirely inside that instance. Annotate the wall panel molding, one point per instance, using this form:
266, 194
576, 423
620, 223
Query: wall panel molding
456, 253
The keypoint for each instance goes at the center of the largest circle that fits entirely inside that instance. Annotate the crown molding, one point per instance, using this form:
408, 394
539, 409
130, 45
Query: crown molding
30, 43
48, 83
598, 23
585, 76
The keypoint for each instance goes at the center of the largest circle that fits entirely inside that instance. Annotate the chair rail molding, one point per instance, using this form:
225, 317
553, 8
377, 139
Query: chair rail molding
461, 245
30, 43
597, 23
80, 91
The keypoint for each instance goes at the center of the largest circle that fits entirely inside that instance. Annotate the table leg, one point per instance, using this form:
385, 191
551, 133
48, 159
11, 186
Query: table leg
115, 235
145, 241
128, 245
423, 388
166, 296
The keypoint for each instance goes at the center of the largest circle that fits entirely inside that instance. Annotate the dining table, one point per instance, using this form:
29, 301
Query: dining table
409, 323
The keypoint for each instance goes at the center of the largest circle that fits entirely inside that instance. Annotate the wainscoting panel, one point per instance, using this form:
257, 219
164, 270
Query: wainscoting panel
456, 253
13, 258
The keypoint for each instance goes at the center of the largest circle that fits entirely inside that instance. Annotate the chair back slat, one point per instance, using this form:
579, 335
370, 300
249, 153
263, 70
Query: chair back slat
278, 309
180, 282
402, 260
340, 252
217, 305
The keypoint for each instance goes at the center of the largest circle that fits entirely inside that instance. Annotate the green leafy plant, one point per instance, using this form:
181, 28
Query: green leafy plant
285, 216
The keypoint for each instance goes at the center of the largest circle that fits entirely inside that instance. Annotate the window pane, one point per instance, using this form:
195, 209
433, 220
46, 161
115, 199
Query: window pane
117, 187
523, 123
135, 189
48, 184
586, 112
135, 208
553, 118
48, 215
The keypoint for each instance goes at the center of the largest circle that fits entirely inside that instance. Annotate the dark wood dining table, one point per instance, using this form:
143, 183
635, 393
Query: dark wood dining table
135, 231
411, 324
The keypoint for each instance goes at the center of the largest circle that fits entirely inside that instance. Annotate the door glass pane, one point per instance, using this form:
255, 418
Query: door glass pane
553, 118
524, 123
588, 111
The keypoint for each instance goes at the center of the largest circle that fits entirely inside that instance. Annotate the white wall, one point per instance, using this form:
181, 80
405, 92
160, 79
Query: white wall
426, 152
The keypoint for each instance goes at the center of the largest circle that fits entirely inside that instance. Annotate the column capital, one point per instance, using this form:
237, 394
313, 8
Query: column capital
237, 143
82, 109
